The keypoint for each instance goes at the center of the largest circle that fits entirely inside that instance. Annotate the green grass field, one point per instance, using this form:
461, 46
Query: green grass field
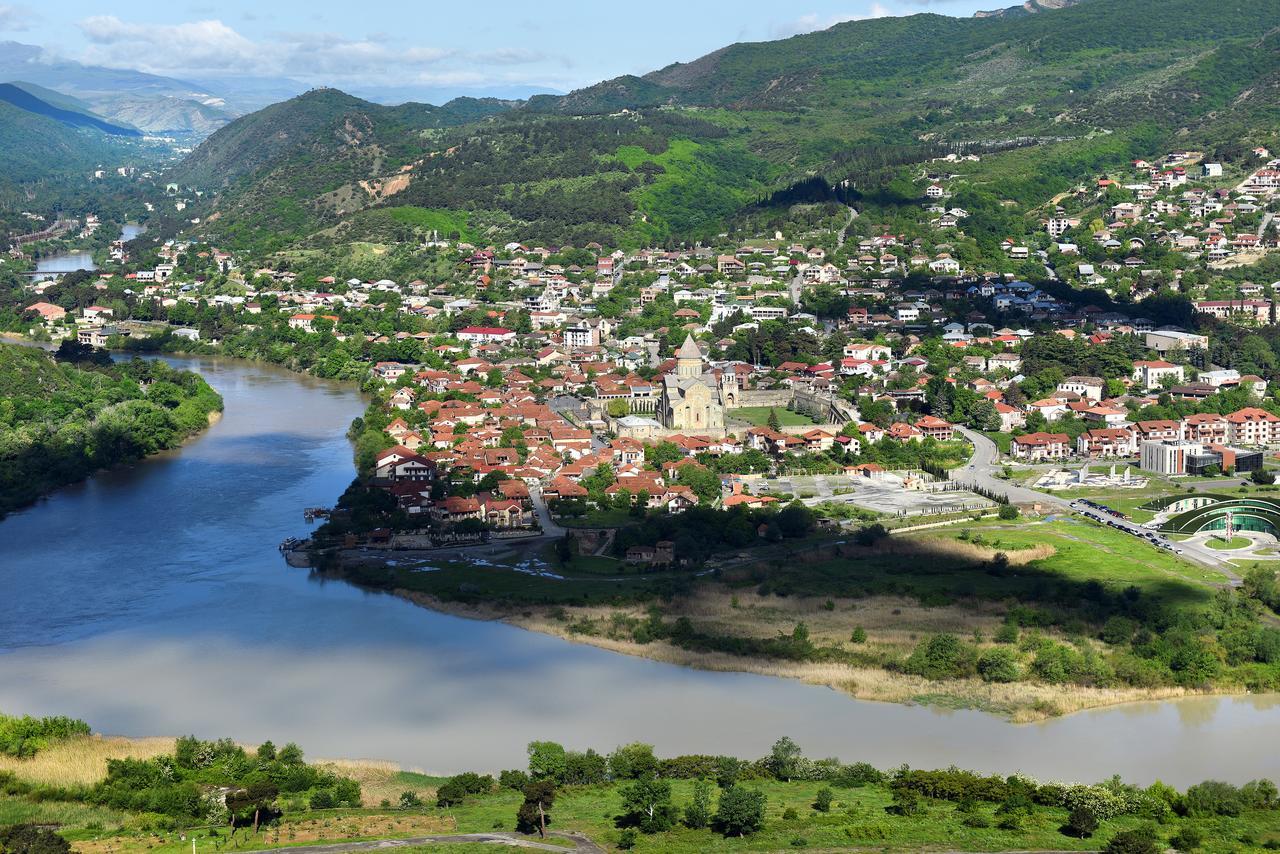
1227, 545
858, 819
611, 518
759, 416
1083, 553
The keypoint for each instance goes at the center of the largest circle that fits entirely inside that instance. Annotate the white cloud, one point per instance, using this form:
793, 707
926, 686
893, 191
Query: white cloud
213, 47
813, 22
195, 46
15, 19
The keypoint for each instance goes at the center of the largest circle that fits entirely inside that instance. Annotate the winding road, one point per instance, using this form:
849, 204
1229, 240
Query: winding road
982, 468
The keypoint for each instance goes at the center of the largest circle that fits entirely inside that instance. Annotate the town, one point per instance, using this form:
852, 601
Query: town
858, 364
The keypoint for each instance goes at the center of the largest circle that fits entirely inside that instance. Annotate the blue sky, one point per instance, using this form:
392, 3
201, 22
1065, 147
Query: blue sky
558, 44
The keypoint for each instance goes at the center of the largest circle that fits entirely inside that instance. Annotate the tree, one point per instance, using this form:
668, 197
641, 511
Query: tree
633, 761
1007, 512
822, 801
1263, 477
783, 758
647, 806
704, 482
534, 812
1082, 823
773, 422
546, 760
697, 814
740, 812
795, 520
255, 800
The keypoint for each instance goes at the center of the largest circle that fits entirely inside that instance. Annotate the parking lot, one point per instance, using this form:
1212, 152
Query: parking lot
887, 496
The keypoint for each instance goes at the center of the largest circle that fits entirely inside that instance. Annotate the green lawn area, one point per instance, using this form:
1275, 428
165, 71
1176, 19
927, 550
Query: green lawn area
942, 572
759, 416
1227, 545
858, 819
611, 518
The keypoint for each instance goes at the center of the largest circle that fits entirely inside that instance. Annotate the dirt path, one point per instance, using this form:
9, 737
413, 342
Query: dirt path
582, 845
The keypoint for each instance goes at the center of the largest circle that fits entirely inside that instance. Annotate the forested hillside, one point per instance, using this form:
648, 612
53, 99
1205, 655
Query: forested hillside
61, 420
673, 154
36, 148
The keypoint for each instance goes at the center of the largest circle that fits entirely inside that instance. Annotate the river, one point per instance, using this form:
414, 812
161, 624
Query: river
53, 266
152, 600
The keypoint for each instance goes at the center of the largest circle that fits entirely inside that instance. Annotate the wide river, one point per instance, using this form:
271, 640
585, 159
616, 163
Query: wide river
152, 600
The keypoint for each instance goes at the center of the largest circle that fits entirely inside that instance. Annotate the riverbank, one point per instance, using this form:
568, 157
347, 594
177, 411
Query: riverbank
1017, 702
68, 420
1027, 603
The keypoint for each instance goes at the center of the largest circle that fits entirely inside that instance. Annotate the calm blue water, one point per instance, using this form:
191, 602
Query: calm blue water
153, 600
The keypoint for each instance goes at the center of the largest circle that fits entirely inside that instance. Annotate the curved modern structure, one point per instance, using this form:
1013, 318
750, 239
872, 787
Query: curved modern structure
1246, 513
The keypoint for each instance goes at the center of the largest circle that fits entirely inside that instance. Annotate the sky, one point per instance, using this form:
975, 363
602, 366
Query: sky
546, 44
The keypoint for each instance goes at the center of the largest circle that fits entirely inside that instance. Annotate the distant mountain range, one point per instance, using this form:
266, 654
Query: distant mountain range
148, 102
23, 97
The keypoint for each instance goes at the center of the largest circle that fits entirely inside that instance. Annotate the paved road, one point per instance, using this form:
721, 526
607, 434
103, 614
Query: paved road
982, 469
853, 214
582, 844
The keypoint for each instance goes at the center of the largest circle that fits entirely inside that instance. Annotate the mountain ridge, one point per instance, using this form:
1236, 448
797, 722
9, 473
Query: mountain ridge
18, 97
670, 154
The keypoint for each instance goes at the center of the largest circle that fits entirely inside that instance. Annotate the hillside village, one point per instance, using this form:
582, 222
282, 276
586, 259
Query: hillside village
526, 374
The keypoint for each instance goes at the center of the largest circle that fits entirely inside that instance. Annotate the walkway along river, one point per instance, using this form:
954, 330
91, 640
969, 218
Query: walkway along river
152, 600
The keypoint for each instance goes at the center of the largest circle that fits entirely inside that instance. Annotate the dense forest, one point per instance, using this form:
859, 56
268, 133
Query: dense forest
65, 416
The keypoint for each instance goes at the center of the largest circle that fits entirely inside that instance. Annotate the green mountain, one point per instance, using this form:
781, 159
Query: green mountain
315, 158
35, 147
672, 154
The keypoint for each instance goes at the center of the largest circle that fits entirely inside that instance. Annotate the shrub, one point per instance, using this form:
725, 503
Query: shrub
697, 814
943, 656
999, 665
1007, 633
1140, 840
790, 814
32, 839
26, 736
856, 775
1008, 512
1189, 838
906, 803
1213, 797
822, 801
859, 635
514, 779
